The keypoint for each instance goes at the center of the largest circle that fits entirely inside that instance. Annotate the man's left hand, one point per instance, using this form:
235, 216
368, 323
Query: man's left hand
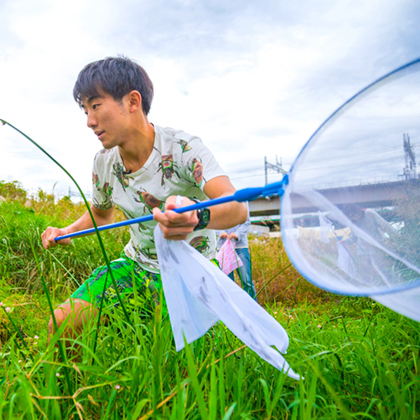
176, 226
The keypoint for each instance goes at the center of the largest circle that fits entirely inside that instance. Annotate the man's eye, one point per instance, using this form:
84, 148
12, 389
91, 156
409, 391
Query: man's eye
95, 106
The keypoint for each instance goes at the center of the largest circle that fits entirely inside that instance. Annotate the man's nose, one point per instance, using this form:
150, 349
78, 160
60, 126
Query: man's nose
91, 121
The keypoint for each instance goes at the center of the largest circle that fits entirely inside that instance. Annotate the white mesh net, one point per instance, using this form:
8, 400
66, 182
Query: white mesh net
351, 212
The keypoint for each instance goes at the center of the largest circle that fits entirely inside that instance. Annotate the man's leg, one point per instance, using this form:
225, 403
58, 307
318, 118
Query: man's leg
82, 307
77, 313
245, 272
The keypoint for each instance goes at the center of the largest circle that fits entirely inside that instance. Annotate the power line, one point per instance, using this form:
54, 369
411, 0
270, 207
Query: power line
277, 167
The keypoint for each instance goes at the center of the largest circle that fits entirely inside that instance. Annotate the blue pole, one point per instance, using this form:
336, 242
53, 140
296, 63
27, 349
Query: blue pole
246, 194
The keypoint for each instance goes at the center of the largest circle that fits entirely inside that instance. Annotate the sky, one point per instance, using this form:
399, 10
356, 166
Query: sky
363, 142
251, 78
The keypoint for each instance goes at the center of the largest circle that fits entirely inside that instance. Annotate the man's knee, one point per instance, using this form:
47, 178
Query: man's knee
77, 311
60, 316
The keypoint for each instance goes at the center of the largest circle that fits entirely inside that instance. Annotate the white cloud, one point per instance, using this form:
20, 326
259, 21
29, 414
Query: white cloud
252, 79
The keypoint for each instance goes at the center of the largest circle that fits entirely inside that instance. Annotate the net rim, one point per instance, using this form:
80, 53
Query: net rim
387, 78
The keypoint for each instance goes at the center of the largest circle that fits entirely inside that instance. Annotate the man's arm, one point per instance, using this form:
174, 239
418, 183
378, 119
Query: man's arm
224, 216
102, 217
228, 215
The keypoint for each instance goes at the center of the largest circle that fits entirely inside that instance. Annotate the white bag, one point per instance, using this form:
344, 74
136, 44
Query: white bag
199, 294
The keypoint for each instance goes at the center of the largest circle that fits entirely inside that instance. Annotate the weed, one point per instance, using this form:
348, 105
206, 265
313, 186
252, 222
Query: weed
359, 359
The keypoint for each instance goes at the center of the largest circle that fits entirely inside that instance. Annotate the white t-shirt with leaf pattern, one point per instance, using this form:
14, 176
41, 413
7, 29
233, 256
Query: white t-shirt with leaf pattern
180, 164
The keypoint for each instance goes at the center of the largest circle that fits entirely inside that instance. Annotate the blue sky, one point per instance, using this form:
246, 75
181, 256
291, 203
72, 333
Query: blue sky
252, 79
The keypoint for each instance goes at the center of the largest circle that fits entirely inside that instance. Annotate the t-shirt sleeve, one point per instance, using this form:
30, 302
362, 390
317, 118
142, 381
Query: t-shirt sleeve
200, 166
101, 188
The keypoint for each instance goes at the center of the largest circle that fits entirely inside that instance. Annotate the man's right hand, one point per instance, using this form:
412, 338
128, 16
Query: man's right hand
224, 235
49, 235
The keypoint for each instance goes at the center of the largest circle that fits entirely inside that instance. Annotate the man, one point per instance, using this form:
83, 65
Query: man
239, 236
142, 168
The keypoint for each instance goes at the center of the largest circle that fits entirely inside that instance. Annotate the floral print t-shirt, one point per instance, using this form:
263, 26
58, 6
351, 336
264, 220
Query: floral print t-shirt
180, 164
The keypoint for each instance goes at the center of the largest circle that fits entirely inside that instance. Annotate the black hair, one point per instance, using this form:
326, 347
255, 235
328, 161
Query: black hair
116, 76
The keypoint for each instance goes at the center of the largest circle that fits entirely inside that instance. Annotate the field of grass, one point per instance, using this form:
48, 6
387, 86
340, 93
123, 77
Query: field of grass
359, 359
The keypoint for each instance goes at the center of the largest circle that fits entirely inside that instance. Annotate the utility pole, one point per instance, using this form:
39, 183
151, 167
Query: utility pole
277, 167
410, 170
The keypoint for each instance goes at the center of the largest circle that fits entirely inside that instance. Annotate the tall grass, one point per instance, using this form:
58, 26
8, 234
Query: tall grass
275, 278
359, 359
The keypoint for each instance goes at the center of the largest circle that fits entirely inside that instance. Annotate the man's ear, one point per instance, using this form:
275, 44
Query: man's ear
134, 101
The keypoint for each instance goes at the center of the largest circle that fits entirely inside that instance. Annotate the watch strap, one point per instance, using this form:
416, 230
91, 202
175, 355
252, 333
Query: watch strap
203, 216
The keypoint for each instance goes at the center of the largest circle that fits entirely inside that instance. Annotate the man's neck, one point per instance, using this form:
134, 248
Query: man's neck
137, 148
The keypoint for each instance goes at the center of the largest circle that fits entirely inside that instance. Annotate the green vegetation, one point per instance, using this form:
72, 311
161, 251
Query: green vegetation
359, 359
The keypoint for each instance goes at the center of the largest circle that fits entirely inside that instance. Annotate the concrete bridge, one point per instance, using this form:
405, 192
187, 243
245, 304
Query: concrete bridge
386, 194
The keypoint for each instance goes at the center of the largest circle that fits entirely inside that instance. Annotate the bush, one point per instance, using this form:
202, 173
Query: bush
13, 190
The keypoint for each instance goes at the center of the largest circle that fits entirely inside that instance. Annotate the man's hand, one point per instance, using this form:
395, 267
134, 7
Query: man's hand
173, 225
224, 235
233, 236
49, 235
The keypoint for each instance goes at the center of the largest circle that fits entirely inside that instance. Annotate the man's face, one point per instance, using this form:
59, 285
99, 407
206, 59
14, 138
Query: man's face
108, 119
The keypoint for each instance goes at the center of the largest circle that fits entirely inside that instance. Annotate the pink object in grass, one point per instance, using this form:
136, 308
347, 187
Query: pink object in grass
227, 257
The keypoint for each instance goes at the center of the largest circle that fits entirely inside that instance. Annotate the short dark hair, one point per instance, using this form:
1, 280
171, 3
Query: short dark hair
115, 76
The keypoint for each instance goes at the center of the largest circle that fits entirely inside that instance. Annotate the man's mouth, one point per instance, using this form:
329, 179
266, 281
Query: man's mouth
100, 134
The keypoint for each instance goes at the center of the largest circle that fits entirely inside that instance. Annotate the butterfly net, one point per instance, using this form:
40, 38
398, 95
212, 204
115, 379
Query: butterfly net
350, 215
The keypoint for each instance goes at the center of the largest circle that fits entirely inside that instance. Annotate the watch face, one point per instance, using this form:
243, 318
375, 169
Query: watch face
206, 216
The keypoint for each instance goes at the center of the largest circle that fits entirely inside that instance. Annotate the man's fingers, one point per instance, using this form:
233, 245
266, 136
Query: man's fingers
173, 203
158, 216
176, 226
176, 231
171, 218
49, 235
181, 219
171, 206
171, 230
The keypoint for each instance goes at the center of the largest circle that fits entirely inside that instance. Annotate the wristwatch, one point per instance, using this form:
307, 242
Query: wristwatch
203, 216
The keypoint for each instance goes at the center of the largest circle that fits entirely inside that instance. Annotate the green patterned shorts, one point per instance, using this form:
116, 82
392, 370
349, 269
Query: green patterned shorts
133, 283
